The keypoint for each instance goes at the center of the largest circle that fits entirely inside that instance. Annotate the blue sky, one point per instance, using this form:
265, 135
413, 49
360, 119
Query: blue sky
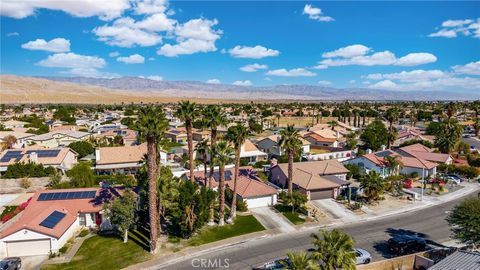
379, 45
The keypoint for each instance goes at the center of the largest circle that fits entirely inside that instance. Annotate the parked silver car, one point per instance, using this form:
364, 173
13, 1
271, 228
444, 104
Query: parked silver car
362, 256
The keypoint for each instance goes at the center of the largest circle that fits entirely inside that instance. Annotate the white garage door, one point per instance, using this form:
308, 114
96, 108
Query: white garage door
259, 202
28, 248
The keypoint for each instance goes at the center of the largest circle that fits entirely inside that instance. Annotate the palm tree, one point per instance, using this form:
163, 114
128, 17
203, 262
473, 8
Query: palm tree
394, 164
290, 141
150, 127
237, 135
301, 261
187, 112
372, 185
203, 149
391, 115
223, 155
213, 118
334, 249
332, 124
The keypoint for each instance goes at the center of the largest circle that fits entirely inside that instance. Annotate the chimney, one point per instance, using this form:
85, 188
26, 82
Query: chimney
97, 155
33, 157
369, 151
384, 147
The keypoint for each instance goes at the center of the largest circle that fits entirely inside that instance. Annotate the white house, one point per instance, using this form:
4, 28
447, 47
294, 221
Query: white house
51, 218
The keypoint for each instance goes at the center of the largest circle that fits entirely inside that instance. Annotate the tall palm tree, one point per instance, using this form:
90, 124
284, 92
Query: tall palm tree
391, 115
301, 261
237, 135
213, 118
150, 127
223, 155
290, 141
187, 112
334, 249
203, 149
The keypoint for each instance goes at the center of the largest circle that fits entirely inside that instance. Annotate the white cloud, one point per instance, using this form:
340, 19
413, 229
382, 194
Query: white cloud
418, 80
409, 76
415, 59
213, 81
156, 23
316, 14
296, 72
105, 10
76, 64
348, 52
72, 60
242, 83
114, 54
196, 35
253, 67
451, 28
124, 32
132, 59
12, 34
150, 6
359, 55
256, 52
56, 45
155, 78
352, 81
472, 68
324, 82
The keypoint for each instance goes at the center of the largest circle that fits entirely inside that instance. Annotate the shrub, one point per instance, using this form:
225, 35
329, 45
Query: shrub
414, 175
26, 183
21, 170
353, 171
340, 198
83, 233
260, 164
467, 171
241, 205
63, 249
407, 183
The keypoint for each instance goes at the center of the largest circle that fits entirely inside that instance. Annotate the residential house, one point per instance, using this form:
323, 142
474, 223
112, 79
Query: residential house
250, 153
317, 179
461, 259
51, 218
122, 159
20, 136
200, 135
270, 145
317, 140
422, 152
58, 138
129, 137
177, 135
12, 124
62, 159
250, 188
376, 162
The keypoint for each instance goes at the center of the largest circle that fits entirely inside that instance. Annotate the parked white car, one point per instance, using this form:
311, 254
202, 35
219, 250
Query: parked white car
362, 256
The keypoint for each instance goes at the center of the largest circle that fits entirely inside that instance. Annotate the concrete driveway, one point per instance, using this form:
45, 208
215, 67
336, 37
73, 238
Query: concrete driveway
33, 262
335, 210
271, 219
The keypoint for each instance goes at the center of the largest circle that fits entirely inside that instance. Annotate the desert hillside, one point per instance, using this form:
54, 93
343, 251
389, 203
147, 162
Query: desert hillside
16, 89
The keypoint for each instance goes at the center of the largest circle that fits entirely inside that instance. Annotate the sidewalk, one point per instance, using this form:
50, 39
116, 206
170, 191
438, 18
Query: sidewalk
271, 219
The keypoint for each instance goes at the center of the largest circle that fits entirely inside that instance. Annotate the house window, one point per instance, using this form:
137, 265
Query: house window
83, 220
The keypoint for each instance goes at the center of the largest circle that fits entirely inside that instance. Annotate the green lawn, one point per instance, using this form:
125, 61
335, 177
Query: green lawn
100, 252
242, 225
287, 212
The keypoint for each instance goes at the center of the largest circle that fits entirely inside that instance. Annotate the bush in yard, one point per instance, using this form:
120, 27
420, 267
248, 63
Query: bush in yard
465, 221
63, 249
414, 175
26, 183
21, 170
83, 233
296, 201
241, 205
407, 183
82, 175
354, 171
83, 148
340, 198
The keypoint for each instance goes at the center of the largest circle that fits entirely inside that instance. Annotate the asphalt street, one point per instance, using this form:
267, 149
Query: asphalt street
370, 235
472, 142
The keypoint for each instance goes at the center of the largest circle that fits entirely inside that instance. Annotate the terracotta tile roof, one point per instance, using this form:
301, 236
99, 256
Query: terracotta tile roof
321, 167
319, 138
16, 134
248, 183
422, 152
276, 138
310, 181
122, 154
37, 211
249, 146
412, 162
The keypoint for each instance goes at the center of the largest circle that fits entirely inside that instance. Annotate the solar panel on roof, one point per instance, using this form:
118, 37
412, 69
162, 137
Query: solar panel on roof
49, 196
70, 195
383, 154
42, 196
63, 196
11, 154
53, 219
228, 176
67, 195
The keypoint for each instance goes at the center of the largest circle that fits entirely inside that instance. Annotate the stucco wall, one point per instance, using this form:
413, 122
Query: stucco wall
15, 185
